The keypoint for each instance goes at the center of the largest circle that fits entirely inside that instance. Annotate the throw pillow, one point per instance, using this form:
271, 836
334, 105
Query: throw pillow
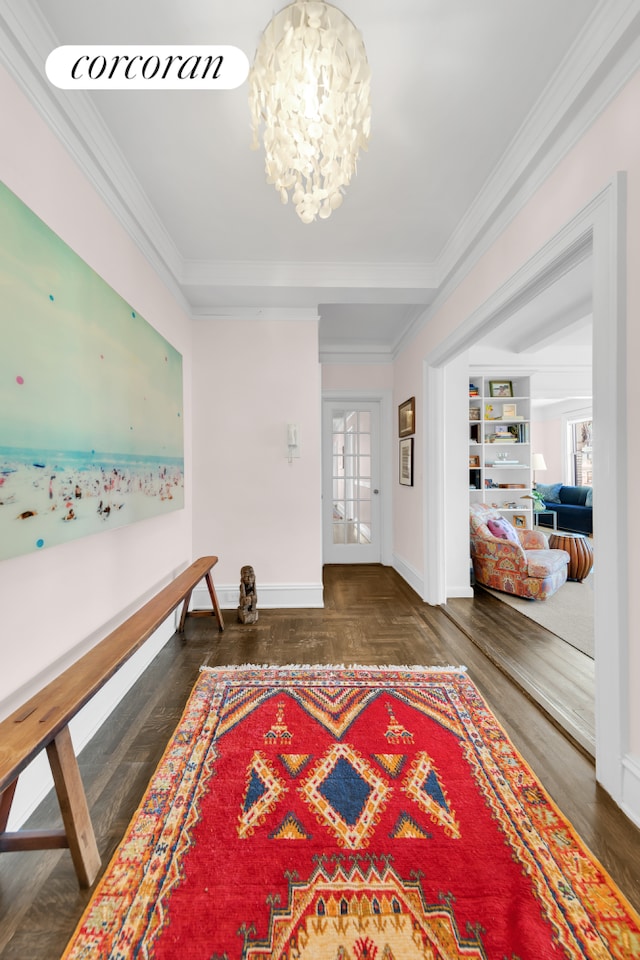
549, 492
589, 501
502, 528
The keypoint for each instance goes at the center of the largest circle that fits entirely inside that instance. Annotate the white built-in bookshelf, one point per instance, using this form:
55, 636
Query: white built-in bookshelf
499, 445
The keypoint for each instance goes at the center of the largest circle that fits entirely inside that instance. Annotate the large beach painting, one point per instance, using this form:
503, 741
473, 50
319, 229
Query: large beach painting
91, 416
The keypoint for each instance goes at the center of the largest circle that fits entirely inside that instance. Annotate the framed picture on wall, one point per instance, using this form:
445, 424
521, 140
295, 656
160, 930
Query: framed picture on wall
407, 418
406, 462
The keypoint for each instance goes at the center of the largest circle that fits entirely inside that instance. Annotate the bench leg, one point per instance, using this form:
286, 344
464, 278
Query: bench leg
25, 839
6, 799
202, 613
73, 805
185, 611
214, 601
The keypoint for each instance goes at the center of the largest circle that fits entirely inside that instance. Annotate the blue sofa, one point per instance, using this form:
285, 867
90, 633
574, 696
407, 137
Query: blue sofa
573, 506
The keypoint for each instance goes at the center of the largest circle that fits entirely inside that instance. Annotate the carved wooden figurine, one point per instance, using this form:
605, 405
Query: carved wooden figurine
248, 608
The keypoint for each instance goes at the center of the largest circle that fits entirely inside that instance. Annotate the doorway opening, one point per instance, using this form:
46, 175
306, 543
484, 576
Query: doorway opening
597, 230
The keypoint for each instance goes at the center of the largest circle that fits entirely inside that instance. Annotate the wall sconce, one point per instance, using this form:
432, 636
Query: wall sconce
293, 441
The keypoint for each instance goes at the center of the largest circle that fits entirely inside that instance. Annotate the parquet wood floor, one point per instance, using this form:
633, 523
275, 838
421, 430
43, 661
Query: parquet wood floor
370, 616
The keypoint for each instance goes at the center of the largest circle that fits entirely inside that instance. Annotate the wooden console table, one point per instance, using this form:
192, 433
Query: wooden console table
580, 552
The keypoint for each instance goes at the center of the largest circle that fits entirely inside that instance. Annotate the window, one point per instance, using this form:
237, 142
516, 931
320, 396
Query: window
580, 441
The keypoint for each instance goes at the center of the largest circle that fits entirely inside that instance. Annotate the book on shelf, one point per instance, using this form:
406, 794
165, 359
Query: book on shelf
509, 433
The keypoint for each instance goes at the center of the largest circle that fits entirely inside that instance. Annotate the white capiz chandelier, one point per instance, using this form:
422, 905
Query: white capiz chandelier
310, 87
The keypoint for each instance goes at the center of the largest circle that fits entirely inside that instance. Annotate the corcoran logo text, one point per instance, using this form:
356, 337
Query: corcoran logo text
111, 67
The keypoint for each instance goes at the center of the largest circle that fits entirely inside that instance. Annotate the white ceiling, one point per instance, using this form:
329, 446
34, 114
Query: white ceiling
465, 97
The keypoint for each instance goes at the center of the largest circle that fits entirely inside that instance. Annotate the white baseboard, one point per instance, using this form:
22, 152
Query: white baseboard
408, 573
456, 592
631, 787
35, 781
270, 596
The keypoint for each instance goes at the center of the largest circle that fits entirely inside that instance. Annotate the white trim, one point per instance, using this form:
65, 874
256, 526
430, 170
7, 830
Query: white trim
308, 273
611, 593
408, 573
271, 596
25, 42
570, 246
464, 592
631, 787
609, 46
434, 470
554, 120
567, 419
601, 226
342, 353
212, 314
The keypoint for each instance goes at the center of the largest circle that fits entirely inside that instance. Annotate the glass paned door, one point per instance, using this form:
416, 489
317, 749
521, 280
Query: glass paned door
350, 487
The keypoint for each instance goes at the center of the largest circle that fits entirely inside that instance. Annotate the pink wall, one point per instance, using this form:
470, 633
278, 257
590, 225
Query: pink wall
250, 379
407, 504
365, 376
610, 145
54, 600
546, 438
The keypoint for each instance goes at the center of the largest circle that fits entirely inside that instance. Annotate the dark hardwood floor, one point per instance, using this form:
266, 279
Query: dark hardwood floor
371, 617
559, 678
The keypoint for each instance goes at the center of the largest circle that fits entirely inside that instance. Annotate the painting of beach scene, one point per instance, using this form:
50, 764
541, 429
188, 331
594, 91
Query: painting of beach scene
91, 397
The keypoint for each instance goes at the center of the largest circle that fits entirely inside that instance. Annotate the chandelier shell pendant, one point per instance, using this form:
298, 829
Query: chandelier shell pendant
310, 87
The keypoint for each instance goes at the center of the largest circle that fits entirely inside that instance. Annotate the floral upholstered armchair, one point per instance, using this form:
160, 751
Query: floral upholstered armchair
514, 561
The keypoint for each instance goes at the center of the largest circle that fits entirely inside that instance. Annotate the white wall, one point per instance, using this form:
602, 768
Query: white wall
58, 602
250, 379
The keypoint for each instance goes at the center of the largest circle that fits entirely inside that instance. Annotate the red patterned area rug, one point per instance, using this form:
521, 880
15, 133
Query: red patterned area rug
349, 814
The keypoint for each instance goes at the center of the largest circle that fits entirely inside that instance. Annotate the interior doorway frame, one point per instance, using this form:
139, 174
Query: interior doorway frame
598, 229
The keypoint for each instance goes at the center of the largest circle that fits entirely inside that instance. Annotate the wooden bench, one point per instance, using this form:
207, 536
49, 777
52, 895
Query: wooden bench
43, 723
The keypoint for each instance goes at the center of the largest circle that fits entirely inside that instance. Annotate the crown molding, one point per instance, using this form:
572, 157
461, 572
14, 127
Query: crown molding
526, 368
603, 57
415, 276
353, 353
25, 42
255, 313
551, 117
574, 97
